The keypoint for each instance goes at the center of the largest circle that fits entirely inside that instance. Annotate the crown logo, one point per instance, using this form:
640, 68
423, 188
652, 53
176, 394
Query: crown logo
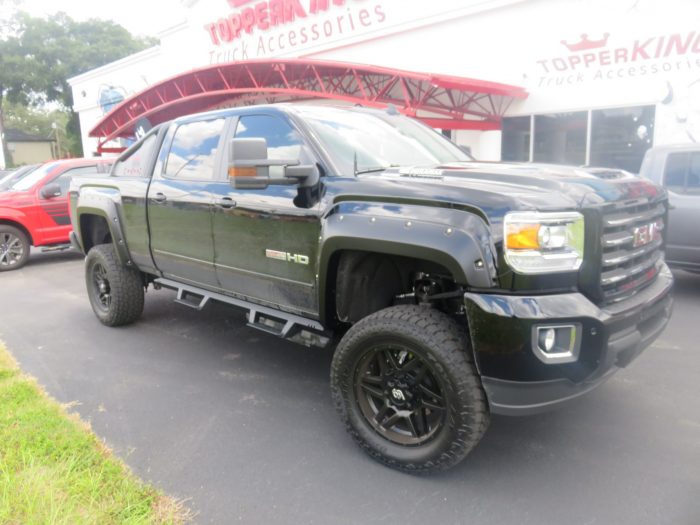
585, 44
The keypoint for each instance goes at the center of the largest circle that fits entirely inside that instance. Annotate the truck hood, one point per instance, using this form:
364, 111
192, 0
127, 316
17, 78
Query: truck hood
9, 199
496, 188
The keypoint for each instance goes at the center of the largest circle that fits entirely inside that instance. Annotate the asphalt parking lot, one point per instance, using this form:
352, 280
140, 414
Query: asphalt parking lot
241, 424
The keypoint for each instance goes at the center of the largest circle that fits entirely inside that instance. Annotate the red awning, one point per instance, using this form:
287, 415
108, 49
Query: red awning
441, 101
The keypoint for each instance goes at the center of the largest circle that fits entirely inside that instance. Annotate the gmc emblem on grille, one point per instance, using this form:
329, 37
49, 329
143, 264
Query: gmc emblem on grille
647, 233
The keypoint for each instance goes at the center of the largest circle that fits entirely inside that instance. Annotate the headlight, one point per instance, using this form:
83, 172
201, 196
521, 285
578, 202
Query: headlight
537, 242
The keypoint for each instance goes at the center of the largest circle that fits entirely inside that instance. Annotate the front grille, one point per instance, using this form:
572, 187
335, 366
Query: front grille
625, 268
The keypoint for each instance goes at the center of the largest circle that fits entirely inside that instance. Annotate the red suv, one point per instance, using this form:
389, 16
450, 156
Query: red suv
34, 210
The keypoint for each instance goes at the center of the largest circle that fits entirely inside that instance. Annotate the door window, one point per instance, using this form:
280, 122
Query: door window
64, 179
682, 173
193, 152
283, 141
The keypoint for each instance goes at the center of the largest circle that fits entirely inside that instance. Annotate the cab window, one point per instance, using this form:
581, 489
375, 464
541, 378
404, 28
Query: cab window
194, 150
136, 163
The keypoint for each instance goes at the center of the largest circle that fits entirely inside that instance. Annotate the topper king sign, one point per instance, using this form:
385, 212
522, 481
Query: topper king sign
262, 16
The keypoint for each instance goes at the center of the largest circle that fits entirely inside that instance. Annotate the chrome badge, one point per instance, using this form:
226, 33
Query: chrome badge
647, 233
287, 257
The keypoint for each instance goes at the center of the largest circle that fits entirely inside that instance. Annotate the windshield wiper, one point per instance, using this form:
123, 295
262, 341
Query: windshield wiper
371, 170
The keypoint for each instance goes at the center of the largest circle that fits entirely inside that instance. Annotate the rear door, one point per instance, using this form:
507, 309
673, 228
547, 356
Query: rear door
266, 240
180, 199
682, 180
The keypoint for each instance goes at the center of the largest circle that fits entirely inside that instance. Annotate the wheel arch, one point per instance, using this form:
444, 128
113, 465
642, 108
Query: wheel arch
459, 249
99, 226
19, 226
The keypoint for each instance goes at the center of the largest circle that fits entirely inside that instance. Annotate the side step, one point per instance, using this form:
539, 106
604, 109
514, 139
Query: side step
281, 324
56, 248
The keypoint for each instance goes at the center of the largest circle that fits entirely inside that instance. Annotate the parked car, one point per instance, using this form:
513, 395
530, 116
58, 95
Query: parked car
34, 210
677, 168
456, 289
10, 178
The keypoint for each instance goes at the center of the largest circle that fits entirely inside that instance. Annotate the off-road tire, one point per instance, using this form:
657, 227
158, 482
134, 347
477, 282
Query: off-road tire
125, 287
444, 346
15, 234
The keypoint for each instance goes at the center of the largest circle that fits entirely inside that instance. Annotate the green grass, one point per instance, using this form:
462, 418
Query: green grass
54, 470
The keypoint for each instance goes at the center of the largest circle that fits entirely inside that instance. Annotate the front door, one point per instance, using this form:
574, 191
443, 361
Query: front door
266, 241
180, 199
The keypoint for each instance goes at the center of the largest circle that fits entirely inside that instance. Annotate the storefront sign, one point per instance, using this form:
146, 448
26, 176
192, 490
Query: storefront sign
258, 29
598, 59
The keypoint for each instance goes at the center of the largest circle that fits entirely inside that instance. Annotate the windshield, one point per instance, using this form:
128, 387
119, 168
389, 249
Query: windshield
32, 178
16, 175
361, 141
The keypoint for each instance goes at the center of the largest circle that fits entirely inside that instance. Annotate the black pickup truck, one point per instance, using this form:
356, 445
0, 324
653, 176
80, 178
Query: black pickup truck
450, 289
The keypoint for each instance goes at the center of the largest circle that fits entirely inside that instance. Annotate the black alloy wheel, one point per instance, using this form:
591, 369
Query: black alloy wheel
399, 394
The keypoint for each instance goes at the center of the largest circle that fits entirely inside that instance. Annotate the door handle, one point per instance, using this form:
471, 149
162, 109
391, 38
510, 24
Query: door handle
159, 197
226, 202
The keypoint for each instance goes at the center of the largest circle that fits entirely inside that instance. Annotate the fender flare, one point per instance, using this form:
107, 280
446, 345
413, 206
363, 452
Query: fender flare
458, 240
106, 203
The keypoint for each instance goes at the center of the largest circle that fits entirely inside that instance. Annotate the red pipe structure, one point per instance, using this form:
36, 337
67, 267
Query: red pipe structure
440, 101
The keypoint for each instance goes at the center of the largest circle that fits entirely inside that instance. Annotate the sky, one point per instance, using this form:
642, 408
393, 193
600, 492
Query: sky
140, 17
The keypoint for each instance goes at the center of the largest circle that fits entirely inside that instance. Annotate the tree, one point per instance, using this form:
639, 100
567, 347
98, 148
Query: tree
38, 56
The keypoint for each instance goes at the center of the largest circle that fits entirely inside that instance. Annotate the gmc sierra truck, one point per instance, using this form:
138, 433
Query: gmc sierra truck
449, 289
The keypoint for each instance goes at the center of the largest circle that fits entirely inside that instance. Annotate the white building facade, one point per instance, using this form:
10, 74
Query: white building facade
607, 79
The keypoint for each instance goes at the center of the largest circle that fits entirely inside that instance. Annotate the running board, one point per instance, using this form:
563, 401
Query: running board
281, 324
56, 248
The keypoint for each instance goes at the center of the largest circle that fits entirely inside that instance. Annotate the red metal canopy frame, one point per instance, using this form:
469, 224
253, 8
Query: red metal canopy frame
440, 101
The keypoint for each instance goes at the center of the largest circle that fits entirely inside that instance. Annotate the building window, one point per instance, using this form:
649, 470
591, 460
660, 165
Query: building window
620, 137
515, 141
560, 138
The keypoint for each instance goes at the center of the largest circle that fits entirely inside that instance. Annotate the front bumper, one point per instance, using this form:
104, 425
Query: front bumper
518, 383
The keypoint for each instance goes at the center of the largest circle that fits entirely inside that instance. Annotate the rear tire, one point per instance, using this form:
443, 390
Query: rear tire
115, 291
14, 248
405, 386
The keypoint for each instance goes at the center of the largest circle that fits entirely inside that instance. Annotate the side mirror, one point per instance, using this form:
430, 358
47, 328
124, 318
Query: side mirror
50, 191
249, 167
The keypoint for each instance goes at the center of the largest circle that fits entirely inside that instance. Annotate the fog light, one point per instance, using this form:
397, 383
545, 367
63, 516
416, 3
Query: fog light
556, 344
547, 338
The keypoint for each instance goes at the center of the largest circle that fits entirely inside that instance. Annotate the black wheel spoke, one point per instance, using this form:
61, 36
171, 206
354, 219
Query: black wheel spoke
433, 407
380, 416
430, 393
391, 360
372, 380
387, 424
414, 365
413, 426
372, 389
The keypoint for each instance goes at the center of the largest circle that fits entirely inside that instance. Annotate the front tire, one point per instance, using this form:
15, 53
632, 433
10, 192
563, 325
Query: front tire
405, 386
14, 248
115, 291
